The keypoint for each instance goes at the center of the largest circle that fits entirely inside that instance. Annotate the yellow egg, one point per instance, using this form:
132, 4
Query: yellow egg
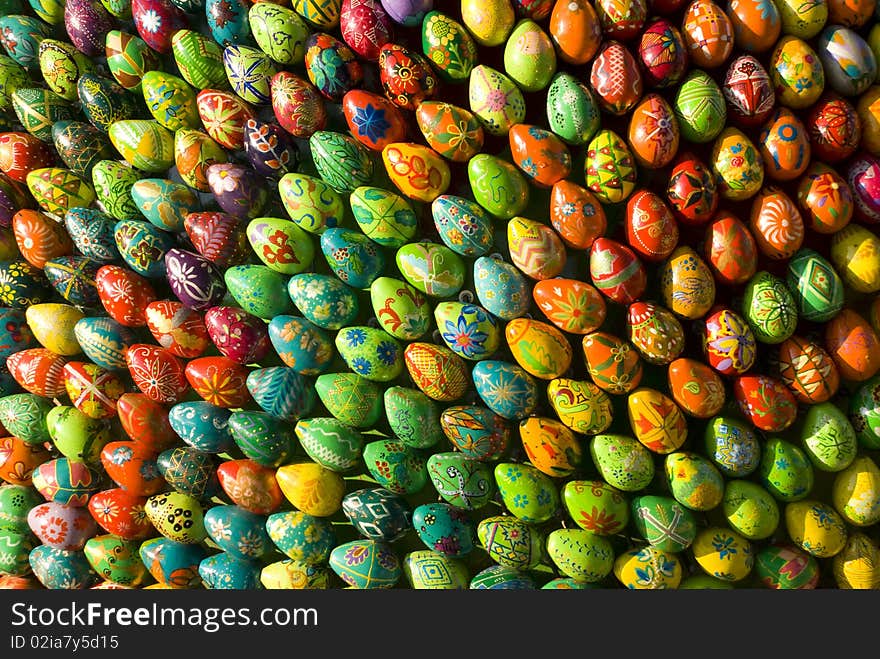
855, 252
580, 405
856, 492
868, 110
311, 488
656, 420
723, 554
648, 568
815, 527
802, 19
796, 73
857, 566
417, 170
489, 21
539, 348
687, 284
52, 325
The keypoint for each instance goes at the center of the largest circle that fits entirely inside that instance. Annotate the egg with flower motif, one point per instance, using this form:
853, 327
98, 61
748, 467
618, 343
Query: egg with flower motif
737, 164
728, 343
776, 224
613, 364
297, 104
807, 370
432, 268
224, 116
825, 198
323, 299
528, 493
374, 120
576, 215
622, 461
655, 332
539, 348
769, 308
142, 246
156, 372
732, 446
451, 131
692, 190
653, 132
450, 47
571, 305
797, 73
748, 91
756, 24
697, 389
765, 401
155, 21
193, 279
463, 225
663, 54
176, 328
688, 287
124, 294
848, 62
468, 329
416, 170
501, 288
406, 77
217, 236
540, 154
495, 100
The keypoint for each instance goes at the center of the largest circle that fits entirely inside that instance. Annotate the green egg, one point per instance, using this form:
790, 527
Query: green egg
370, 352
129, 58
24, 416
498, 186
77, 436
413, 417
856, 492
528, 494
467, 329
622, 461
258, 290
580, 555
353, 400
61, 65
596, 506
281, 245
330, 443
21, 38
431, 570
699, 107
733, 446
572, 111
395, 466
177, 516
828, 437
116, 560
694, 481
51, 11
103, 101
323, 299
384, 217
342, 162
664, 523
449, 46
199, 60
17, 546
817, 288
145, 144
750, 510
279, 32
12, 77
432, 268
864, 413
529, 56
261, 437
310, 202
113, 180
170, 100
461, 481
769, 308
511, 542
704, 582
402, 311
785, 470
16, 502
38, 109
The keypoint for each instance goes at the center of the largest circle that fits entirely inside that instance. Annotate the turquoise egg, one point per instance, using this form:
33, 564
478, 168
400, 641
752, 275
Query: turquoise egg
461, 481
377, 514
370, 352
281, 391
15, 334
17, 547
73, 277
257, 289
261, 437
228, 21
104, 101
93, 233
352, 257
501, 288
444, 528
433, 269
366, 564
164, 203
238, 532
330, 443
528, 494
305, 348
353, 400
463, 225
59, 569
469, 330
302, 537
511, 542
173, 563
431, 570
395, 466
342, 162
24, 416
476, 431
143, 246
203, 426
224, 571
323, 299
505, 388
384, 217
104, 341
21, 37
499, 577
65, 481
412, 416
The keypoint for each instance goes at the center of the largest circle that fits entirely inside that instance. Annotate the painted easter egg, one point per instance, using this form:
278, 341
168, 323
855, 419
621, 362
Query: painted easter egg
848, 62
432, 268
615, 78
737, 164
495, 100
835, 128
655, 332
748, 90
797, 73
825, 199
692, 190
436, 370
732, 446
765, 401
769, 308
663, 54
653, 132
699, 107
697, 389
497, 186
610, 170
656, 420
507, 389
572, 109
614, 365
708, 34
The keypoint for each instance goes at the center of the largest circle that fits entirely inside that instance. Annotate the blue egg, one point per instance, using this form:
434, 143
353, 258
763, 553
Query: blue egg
224, 571
444, 528
15, 334
142, 246
305, 348
464, 226
238, 532
74, 279
104, 341
59, 569
501, 288
93, 234
377, 513
228, 21
281, 391
202, 425
366, 564
324, 300
164, 203
302, 537
173, 563
505, 388
352, 257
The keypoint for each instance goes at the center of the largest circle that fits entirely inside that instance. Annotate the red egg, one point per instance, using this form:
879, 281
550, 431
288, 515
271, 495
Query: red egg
663, 54
156, 372
621, 19
576, 214
39, 371
237, 334
653, 132
765, 401
250, 486
835, 128
219, 380
21, 153
748, 91
651, 229
297, 104
406, 77
616, 79
146, 421
132, 467
224, 116
730, 250
121, 513
177, 328
124, 294
373, 120
692, 191
156, 21
616, 271
863, 176
853, 345
219, 237
365, 27
39, 237
537, 10
708, 34
696, 387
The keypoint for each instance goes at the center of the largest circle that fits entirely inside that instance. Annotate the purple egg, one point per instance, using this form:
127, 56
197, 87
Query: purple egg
61, 526
237, 334
407, 12
87, 23
195, 281
863, 177
268, 148
239, 190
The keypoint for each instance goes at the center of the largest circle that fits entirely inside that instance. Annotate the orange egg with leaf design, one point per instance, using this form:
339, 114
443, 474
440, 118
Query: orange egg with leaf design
573, 306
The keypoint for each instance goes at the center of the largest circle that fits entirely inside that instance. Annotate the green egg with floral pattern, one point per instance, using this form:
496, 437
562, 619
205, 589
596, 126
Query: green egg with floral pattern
145, 144
431, 570
38, 109
353, 400
323, 299
413, 417
118, 8
281, 244
12, 76
113, 180
116, 560
302, 346
330, 443
21, 37
370, 352
17, 548
142, 246
828, 437
622, 461
580, 555
61, 65
16, 502
449, 46
500, 577
785, 470
342, 162
596, 506
199, 60
24, 416
495, 100
444, 528
510, 542
170, 100
463, 225
529, 56
395, 466
301, 537
366, 564
432, 268
769, 308
572, 112
750, 510
817, 288
402, 311
384, 217
664, 523
498, 186
258, 290
864, 413
103, 101
464, 482
279, 32
310, 202
468, 329
238, 532
528, 494
733, 446
694, 481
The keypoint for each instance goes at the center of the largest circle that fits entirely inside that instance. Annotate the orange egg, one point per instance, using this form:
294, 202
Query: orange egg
776, 224
784, 145
696, 387
807, 370
613, 363
576, 214
653, 132
708, 34
756, 24
575, 31
853, 345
